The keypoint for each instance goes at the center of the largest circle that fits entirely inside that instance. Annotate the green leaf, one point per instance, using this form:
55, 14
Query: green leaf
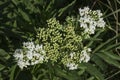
94, 37
99, 62
112, 55
81, 72
61, 11
109, 59
49, 5
34, 78
12, 74
94, 71
110, 47
15, 1
61, 73
4, 55
24, 15
106, 43
1, 78
64, 74
82, 66
91, 78
1, 67
112, 13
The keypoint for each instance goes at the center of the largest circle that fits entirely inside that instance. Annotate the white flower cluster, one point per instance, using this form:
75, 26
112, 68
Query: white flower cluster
72, 66
84, 57
90, 19
31, 54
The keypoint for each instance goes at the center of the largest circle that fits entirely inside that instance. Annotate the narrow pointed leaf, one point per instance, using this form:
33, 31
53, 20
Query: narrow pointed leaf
106, 43
94, 71
112, 55
109, 59
99, 62
97, 34
12, 74
24, 15
61, 11
112, 46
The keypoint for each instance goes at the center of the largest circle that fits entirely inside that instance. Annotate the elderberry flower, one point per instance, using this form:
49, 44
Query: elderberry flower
84, 11
31, 54
90, 20
18, 54
28, 45
72, 55
85, 55
72, 66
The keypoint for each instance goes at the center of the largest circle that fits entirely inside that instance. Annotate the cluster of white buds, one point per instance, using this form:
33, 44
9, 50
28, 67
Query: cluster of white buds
31, 54
90, 19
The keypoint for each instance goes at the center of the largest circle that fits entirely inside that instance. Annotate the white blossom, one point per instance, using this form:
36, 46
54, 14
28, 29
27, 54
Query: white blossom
84, 11
18, 54
72, 55
21, 64
90, 20
29, 45
85, 55
99, 13
101, 23
31, 54
72, 66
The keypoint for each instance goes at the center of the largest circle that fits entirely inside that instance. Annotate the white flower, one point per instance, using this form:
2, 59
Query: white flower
101, 23
72, 66
18, 54
90, 20
83, 11
21, 64
99, 13
72, 55
31, 54
29, 45
38, 47
85, 57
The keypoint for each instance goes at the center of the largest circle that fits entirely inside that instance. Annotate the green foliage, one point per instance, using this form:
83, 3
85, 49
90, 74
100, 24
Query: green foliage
19, 20
4, 64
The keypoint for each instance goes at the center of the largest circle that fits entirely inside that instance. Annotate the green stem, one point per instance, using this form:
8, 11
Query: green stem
112, 75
